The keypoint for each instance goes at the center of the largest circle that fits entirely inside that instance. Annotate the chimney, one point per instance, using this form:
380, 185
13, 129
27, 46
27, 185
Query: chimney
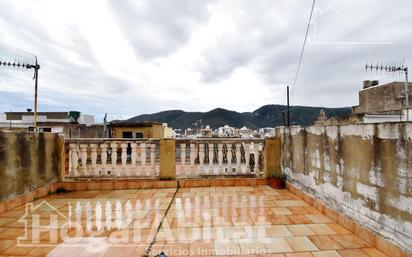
366, 84
374, 83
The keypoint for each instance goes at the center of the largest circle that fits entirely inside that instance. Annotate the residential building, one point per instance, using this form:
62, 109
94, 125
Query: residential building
71, 124
383, 103
125, 129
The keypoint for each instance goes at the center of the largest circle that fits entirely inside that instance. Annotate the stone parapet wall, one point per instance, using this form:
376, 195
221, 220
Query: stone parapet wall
362, 171
28, 161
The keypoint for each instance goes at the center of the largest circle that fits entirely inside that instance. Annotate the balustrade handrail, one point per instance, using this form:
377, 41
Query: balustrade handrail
220, 140
102, 140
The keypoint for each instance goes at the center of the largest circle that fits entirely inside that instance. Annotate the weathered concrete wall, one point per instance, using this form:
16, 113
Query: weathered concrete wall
27, 161
363, 171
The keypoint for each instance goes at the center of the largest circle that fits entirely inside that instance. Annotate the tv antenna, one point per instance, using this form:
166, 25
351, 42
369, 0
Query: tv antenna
394, 69
19, 63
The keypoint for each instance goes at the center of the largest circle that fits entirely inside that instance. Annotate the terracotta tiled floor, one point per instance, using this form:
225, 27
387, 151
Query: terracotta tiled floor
247, 221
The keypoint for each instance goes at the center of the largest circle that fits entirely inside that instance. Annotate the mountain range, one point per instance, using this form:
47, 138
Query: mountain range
265, 116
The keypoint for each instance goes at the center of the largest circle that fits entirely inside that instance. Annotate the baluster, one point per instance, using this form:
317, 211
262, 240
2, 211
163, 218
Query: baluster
124, 159
83, 158
256, 157
201, 157
260, 153
75, 160
153, 157
192, 158
143, 156
93, 158
229, 158
103, 155
238, 158
211, 155
134, 159
182, 158
220, 158
114, 159
247, 158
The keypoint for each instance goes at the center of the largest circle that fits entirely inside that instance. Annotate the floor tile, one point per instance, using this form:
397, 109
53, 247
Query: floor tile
278, 245
321, 229
353, 253
278, 230
325, 242
340, 230
326, 254
373, 252
319, 218
301, 243
281, 211
349, 241
300, 230
302, 254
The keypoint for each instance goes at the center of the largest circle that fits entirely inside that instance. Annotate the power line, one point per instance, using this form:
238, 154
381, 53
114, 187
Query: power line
303, 47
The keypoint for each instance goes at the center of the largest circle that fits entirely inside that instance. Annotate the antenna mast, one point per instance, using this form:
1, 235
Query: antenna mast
21, 64
394, 69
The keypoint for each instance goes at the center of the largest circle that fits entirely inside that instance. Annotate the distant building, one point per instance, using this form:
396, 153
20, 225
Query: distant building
69, 124
383, 103
226, 131
377, 104
206, 132
167, 131
267, 132
321, 118
124, 129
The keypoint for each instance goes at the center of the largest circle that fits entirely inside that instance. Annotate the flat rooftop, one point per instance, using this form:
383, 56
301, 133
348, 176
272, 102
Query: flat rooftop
208, 221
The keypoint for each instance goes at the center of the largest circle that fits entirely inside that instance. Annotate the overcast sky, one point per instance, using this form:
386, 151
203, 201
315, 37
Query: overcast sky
128, 57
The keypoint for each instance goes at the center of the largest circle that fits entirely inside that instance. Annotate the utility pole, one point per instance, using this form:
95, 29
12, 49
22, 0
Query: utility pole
395, 68
36, 67
288, 114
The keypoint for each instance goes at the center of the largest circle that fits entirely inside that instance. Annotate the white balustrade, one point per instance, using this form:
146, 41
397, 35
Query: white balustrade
192, 158
74, 160
182, 158
229, 158
201, 157
247, 157
91, 159
141, 158
83, 158
238, 158
124, 159
133, 159
211, 156
152, 156
232, 158
114, 170
220, 158
103, 156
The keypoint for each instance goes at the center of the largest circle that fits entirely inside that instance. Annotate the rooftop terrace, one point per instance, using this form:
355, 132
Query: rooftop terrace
348, 193
207, 221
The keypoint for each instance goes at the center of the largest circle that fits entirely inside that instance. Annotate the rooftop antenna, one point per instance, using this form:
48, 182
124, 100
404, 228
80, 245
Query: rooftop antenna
19, 63
395, 69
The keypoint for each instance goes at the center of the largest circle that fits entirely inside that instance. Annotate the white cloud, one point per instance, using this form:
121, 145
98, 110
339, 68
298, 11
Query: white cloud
130, 57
